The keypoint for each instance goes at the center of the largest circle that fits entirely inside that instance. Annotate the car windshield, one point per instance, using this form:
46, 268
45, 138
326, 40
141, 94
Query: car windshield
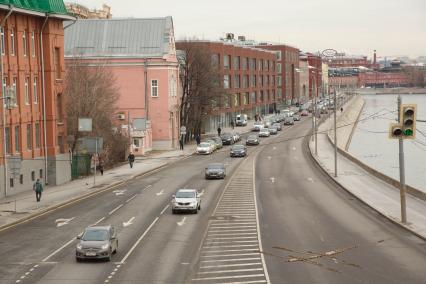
95, 235
185, 194
237, 147
204, 144
215, 166
264, 130
252, 137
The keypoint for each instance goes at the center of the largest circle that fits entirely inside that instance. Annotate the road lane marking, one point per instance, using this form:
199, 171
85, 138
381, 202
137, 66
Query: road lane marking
160, 193
230, 277
164, 210
230, 271
230, 250
139, 240
62, 222
201, 193
146, 187
181, 222
242, 230
58, 250
97, 222
228, 246
274, 148
269, 157
131, 198
231, 265
115, 209
226, 255
310, 180
119, 192
230, 234
230, 238
232, 259
128, 223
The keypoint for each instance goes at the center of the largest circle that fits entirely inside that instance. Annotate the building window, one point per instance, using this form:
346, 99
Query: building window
41, 173
35, 95
27, 91
236, 81
253, 63
261, 96
236, 62
154, 88
57, 62
21, 179
29, 137
37, 135
4, 86
278, 54
61, 144
59, 113
12, 42
226, 81
215, 60
228, 100
279, 68
7, 142
244, 63
245, 81
33, 47
24, 43
136, 142
226, 62
279, 82
17, 139
32, 175
11, 182
246, 98
261, 80
2, 40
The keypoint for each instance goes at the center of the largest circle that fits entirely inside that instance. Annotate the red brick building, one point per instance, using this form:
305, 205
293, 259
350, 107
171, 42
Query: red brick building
315, 74
288, 77
33, 122
382, 79
249, 81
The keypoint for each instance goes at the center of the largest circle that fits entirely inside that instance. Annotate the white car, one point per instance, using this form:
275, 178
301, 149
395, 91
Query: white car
186, 200
257, 125
205, 148
264, 132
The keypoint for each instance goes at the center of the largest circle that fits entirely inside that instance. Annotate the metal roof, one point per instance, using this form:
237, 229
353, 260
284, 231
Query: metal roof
119, 37
47, 6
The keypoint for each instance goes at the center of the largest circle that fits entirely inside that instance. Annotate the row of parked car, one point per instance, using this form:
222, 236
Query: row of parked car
212, 144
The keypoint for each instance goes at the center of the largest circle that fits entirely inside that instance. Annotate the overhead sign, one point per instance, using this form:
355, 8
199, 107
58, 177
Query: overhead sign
139, 124
88, 144
84, 124
183, 130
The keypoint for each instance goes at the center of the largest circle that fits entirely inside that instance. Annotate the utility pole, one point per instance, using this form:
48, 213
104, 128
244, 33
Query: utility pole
402, 169
335, 135
315, 121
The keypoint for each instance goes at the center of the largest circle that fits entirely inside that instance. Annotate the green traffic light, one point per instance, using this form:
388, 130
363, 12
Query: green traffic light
408, 132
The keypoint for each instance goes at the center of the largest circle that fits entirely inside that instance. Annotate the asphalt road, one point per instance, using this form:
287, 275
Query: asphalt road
313, 231
299, 210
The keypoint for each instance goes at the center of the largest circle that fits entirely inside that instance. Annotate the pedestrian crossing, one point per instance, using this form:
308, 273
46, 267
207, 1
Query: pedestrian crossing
231, 250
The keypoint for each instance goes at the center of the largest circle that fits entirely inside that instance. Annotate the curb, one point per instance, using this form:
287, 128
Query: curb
358, 198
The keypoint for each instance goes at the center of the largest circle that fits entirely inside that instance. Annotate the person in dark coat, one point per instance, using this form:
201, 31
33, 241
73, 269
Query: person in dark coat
101, 167
181, 143
38, 188
198, 139
232, 124
131, 159
219, 130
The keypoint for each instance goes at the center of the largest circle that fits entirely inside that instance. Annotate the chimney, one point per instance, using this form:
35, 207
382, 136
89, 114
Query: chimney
374, 58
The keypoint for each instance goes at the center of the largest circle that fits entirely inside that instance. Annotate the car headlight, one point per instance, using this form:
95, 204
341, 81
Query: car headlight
105, 246
79, 246
193, 203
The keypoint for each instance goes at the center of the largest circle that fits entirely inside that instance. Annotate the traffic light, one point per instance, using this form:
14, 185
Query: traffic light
408, 121
395, 131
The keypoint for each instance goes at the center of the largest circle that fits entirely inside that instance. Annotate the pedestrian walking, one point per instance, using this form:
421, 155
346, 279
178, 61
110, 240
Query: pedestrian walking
181, 143
101, 167
232, 124
219, 130
38, 188
131, 159
341, 109
198, 139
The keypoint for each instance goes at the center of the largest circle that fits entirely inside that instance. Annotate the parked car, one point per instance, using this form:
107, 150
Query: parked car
264, 132
205, 148
227, 139
218, 141
241, 120
238, 150
277, 126
215, 170
97, 242
257, 125
252, 140
186, 200
296, 117
304, 113
273, 131
289, 120
214, 144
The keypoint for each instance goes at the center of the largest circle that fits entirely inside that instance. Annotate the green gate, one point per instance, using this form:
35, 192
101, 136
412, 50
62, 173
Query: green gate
80, 166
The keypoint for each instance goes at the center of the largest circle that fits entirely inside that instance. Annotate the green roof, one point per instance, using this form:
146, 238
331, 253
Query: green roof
44, 6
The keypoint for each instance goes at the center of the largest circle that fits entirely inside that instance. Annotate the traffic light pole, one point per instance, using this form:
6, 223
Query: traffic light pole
402, 170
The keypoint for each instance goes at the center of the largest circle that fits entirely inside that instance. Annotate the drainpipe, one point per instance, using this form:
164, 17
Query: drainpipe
3, 22
43, 91
146, 88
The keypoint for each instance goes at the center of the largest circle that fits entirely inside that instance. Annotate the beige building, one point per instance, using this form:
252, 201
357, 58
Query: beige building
82, 12
325, 84
303, 71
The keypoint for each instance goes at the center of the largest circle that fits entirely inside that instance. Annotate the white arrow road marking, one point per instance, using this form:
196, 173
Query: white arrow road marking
272, 179
294, 148
311, 180
181, 222
201, 193
128, 223
119, 192
160, 193
274, 148
269, 157
62, 222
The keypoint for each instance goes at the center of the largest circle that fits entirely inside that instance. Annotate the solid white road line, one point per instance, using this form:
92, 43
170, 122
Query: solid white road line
231, 230
231, 227
131, 198
230, 277
230, 250
115, 209
230, 234
97, 222
230, 265
227, 255
230, 238
58, 250
245, 282
164, 210
230, 271
233, 259
232, 242
139, 240
229, 246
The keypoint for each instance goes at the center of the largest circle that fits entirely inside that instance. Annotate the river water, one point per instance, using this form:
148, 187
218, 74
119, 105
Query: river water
371, 144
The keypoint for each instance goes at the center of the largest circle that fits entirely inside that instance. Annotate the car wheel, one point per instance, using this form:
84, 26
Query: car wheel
78, 259
199, 206
109, 255
173, 211
196, 211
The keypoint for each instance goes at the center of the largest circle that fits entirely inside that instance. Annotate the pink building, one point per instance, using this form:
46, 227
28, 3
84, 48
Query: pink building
141, 54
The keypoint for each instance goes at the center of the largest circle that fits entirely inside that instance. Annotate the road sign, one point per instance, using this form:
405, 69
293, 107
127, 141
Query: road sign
84, 124
183, 130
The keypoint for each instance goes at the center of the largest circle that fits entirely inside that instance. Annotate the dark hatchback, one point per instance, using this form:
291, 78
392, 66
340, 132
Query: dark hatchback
227, 139
252, 140
215, 170
238, 151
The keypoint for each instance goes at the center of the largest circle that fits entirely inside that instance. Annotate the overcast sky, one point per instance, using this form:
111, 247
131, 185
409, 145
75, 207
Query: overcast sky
392, 27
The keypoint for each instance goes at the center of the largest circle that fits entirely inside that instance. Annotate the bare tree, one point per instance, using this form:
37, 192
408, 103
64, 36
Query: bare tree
200, 81
91, 92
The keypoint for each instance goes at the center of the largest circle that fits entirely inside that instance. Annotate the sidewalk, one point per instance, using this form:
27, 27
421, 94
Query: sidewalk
23, 206
379, 195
